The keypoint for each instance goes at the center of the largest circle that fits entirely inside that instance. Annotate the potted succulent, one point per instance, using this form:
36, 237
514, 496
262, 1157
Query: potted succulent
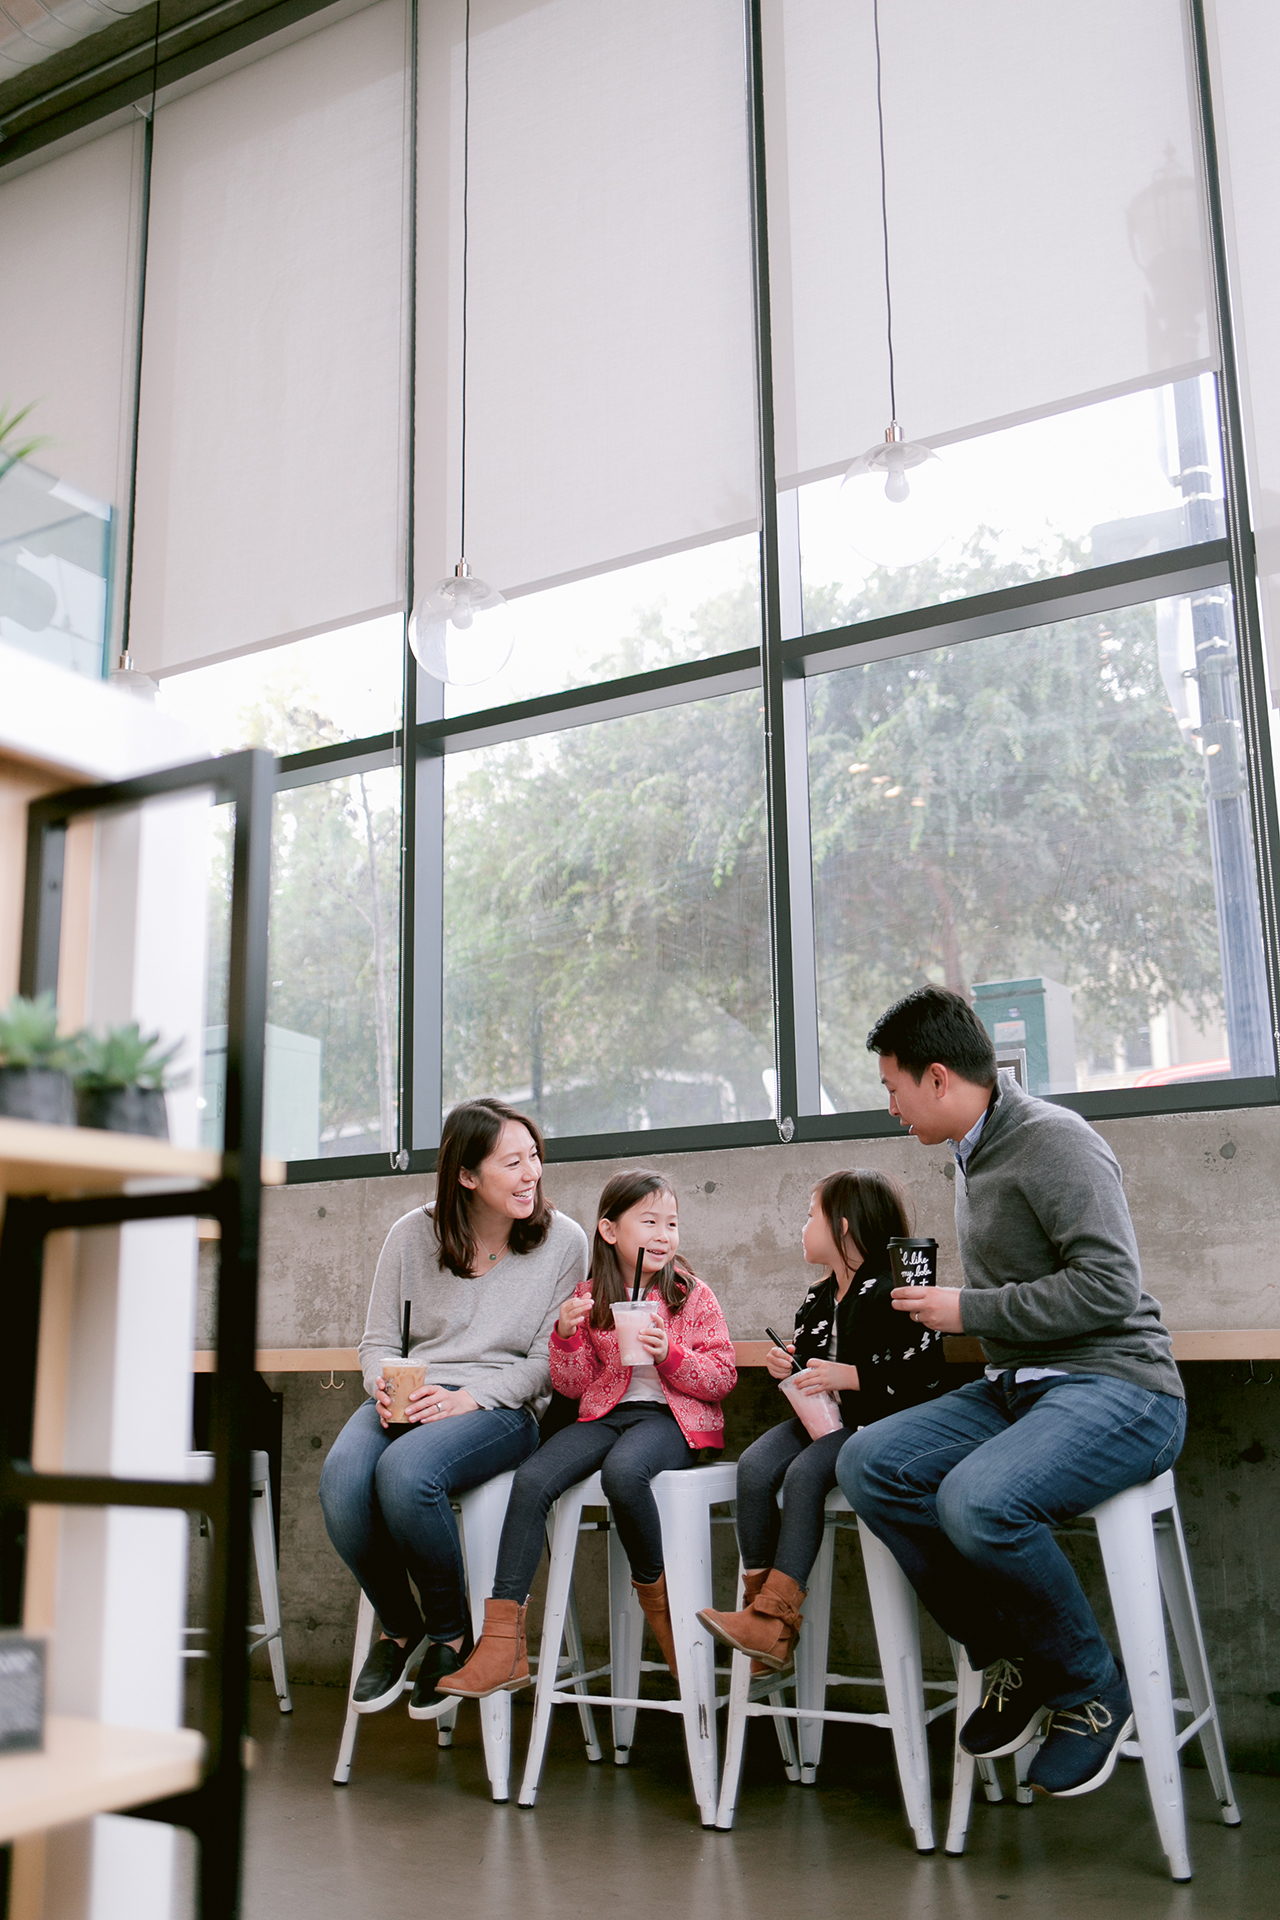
121, 1080
34, 1083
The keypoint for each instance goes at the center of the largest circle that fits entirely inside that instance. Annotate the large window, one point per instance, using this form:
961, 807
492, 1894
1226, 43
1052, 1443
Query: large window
606, 922
1053, 822
608, 300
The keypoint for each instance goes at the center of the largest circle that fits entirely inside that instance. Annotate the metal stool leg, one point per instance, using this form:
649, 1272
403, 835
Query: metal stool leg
482, 1510
811, 1656
566, 1515
1180, 1599
578, 1664
893, 1610
626, 1645
1129, 1557
264, 1555
351, 1726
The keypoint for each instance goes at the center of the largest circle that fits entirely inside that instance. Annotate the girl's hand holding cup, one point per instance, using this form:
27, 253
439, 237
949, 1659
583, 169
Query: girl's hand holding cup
573, 1312
778, 1361
654, 1341
827, 1376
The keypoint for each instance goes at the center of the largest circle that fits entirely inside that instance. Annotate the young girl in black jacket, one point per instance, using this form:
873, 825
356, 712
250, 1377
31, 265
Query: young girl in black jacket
852, 1343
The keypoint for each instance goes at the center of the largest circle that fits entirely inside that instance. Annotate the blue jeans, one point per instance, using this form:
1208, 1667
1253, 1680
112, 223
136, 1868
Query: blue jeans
385, 1495
965, 1489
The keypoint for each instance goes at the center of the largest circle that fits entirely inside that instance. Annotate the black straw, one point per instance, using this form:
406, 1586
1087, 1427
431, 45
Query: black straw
635, 1285
404, 1337
778, 1341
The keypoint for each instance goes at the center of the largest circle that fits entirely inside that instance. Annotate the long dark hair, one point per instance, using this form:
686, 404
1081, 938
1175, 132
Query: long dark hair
470, 1135
608, 1282
875, 1208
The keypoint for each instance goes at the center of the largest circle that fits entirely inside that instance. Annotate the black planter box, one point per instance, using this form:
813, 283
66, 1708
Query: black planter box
125, 1110
37, 1093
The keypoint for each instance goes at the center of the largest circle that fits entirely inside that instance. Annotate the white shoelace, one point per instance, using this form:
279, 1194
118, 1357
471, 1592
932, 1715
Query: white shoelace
1002, 1679
1095, 1716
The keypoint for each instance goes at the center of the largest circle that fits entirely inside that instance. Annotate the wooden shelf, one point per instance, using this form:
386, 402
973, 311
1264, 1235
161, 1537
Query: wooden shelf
83, 1160
89, 1768
1253, 1343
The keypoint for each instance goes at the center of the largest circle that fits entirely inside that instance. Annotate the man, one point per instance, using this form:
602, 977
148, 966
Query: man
1081, 1397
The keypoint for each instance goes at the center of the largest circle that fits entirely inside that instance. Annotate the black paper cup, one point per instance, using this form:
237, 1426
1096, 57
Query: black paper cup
914, 1262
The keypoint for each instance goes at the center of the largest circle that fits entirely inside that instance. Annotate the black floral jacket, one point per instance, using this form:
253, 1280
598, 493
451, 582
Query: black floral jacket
899, 1363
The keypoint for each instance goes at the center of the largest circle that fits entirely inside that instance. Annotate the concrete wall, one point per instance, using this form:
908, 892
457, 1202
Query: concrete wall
1204, 1199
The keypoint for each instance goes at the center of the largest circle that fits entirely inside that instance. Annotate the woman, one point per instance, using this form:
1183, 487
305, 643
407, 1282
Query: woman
483, 1272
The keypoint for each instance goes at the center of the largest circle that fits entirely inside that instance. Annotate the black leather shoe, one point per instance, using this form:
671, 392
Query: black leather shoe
381, 1680
438, 1660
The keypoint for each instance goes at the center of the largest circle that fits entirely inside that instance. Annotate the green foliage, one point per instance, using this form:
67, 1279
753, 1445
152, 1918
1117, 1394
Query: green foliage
124, 1057
12, 451
334, 931
29, 1033
1018, 805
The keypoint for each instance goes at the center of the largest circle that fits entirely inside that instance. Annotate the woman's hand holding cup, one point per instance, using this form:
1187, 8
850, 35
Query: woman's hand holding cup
573, 1312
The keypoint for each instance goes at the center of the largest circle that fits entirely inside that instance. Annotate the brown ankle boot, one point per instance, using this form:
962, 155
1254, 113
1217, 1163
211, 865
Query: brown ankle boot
500, 1663
767, 1628
657, 1611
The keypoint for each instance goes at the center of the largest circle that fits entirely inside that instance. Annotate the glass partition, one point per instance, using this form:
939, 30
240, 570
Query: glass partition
55, 565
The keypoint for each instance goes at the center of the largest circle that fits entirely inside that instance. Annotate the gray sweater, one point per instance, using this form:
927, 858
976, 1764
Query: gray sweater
489, 1334
1051, 1270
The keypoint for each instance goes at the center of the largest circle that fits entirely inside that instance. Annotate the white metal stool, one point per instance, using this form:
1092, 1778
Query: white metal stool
269, 1629
481, 1512
685, 1499
897, 1627
1144, 1556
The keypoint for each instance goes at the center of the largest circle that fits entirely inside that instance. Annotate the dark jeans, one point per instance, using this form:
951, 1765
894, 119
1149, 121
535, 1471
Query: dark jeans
964, 1490
386, 1494
629, 1446
806, 1471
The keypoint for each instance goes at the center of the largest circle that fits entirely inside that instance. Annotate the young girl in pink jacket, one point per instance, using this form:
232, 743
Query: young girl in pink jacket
632, 1422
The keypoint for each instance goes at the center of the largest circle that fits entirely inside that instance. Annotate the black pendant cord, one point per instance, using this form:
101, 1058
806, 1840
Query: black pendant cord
144, 227
884, 215
466, 207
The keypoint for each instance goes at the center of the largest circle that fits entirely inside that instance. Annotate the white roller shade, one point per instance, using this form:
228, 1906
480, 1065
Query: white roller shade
1246, 77
270, 467
610, 409
1020, 137
68, 299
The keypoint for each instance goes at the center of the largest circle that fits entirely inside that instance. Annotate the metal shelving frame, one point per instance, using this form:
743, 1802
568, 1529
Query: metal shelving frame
214, 1811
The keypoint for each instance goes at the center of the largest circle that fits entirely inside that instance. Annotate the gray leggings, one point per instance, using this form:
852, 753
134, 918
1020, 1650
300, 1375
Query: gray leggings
805, 1470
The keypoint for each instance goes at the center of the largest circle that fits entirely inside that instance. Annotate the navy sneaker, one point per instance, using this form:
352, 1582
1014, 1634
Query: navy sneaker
439, 1659
1082, 1744
1008, 1717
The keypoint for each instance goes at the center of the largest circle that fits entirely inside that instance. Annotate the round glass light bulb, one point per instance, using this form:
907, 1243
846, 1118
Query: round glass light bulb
905, 519
462, 632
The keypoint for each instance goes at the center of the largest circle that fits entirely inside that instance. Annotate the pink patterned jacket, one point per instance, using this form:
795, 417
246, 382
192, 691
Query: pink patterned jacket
696, 1375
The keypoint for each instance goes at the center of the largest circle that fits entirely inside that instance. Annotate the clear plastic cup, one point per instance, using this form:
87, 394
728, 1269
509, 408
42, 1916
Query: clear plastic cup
403, 1377
632, 1318
818, 1413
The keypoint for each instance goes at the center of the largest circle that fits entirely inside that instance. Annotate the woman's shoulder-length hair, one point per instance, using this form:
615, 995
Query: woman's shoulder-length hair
471, 1133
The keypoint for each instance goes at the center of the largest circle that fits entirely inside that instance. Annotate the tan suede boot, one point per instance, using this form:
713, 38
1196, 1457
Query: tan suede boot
500, 1662
751, 1584
768, 1628
657, 1611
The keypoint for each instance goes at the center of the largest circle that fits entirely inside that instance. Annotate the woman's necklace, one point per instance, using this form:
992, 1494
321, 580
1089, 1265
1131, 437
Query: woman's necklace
492, 1256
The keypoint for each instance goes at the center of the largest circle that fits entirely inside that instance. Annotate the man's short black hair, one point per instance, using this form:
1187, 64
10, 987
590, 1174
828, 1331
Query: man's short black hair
935, 1025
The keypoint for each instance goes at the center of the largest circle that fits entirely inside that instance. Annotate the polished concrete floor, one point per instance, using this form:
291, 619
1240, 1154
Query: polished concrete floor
415, 1833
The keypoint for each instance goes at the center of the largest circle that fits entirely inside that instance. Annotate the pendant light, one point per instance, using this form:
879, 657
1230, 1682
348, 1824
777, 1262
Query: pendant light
908, 517
461, 632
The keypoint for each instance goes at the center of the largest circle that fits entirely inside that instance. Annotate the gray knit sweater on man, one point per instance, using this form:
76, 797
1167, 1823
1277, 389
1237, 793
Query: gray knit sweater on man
490, 1334
1051, 1270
